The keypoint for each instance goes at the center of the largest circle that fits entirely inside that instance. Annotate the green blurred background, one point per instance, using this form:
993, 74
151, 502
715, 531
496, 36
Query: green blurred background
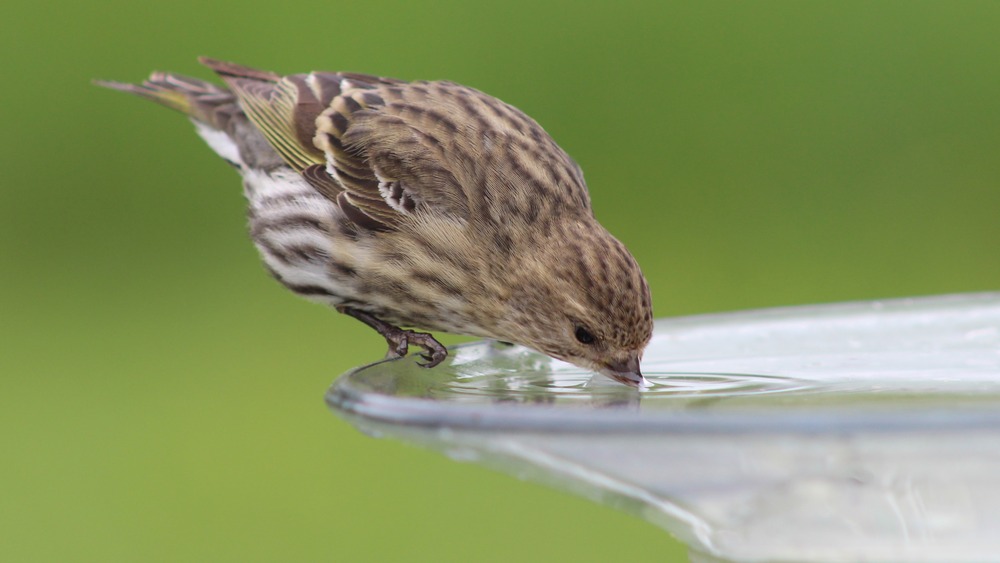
161, 397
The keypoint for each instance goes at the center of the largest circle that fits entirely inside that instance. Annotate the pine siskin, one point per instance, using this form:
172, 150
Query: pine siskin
421, 204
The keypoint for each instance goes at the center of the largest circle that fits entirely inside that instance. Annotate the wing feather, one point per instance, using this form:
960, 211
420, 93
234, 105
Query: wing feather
388, 151
279, 107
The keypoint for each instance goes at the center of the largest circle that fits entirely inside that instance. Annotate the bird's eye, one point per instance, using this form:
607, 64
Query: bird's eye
584, 336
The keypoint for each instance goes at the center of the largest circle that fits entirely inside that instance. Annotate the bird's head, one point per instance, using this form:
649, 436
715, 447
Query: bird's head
580, 296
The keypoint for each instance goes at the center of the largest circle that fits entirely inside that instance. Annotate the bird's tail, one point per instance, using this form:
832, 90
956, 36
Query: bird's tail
215, 109
203, 101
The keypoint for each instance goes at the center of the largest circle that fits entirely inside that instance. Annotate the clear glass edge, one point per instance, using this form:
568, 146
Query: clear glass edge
346, 398
350, 399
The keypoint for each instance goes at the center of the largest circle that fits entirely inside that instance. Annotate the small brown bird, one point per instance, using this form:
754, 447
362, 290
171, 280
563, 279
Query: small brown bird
421, 204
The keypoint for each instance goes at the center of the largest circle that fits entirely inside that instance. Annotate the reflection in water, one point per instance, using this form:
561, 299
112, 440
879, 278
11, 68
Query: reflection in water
501, 373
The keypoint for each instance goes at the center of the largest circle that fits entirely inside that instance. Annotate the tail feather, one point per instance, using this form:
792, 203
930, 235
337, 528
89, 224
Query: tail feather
224, 69
215, 110
258, 118
203, 101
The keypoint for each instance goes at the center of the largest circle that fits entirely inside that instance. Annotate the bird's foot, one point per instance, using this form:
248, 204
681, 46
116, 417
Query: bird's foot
434, 352
399, 340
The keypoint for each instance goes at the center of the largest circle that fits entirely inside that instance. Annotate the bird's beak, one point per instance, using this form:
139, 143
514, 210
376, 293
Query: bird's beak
626, 371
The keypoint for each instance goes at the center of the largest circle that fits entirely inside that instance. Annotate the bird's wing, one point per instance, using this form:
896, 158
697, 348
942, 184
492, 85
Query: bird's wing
381, 147
458, 151
285, 109
387, 150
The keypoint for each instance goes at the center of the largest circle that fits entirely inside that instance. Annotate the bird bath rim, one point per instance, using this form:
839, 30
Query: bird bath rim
346, 398
352, 396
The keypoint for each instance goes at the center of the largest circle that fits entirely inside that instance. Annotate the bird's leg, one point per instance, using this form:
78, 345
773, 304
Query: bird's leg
399, 340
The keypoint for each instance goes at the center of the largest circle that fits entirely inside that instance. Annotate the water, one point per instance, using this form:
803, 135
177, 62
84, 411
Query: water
862, 431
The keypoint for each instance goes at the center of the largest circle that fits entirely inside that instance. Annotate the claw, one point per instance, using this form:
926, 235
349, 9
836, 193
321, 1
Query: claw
434, 353
430, 358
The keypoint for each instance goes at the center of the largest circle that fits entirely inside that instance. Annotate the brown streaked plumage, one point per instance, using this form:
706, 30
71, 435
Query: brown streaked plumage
421, 204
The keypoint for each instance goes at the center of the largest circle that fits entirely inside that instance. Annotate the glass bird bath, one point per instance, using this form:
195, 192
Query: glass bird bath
859, 431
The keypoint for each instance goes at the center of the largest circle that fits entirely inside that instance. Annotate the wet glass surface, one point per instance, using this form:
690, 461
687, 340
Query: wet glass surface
847, 431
